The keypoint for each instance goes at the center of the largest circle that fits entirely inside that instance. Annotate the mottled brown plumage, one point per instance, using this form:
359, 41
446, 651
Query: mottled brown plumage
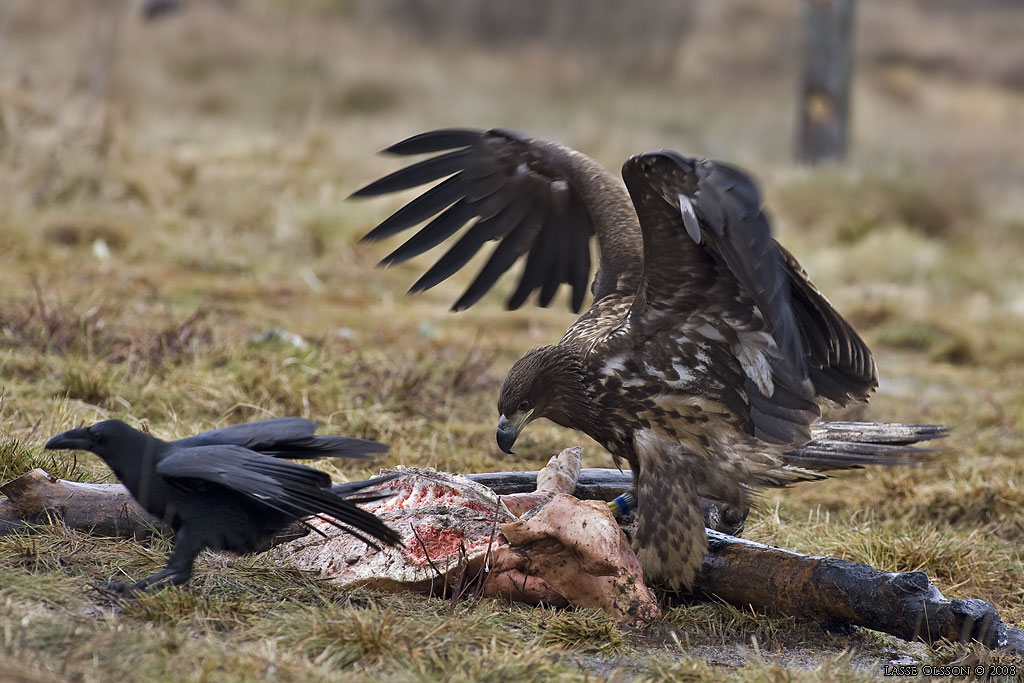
706, 353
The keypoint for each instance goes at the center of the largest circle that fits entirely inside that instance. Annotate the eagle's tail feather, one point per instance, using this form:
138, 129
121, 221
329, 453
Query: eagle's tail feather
895, 433
850, 445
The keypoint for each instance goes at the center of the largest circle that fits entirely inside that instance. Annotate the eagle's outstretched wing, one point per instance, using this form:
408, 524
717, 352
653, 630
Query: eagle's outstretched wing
714, 274
534, 197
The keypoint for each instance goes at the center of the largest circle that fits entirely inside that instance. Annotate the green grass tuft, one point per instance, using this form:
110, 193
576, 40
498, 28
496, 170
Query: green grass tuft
582, 629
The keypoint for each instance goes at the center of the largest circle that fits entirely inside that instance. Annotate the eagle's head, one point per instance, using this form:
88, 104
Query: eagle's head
549, 381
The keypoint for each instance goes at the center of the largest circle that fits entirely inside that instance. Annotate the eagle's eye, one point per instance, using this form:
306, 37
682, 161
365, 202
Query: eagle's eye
523, 407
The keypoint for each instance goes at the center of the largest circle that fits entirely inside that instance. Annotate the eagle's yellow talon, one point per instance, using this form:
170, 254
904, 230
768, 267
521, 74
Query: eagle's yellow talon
623, 504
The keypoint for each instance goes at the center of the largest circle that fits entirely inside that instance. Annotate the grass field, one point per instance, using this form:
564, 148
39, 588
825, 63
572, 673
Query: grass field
176, 250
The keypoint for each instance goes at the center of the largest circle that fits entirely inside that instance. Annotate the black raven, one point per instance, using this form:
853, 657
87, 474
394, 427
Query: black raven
228, 489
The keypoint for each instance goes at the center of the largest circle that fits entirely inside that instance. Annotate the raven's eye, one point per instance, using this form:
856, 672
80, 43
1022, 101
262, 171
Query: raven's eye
523, 407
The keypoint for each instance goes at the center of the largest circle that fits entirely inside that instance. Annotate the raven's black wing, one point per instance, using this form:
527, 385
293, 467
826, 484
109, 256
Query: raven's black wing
534, 197
285, 486
285, 437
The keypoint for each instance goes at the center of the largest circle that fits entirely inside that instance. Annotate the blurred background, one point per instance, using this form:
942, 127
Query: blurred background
173, 179
176, 247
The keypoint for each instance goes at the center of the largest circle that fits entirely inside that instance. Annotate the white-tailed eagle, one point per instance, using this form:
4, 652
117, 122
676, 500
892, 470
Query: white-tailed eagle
706, 354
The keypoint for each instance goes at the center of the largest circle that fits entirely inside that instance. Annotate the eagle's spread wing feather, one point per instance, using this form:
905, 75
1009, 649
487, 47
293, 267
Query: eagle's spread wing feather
735, 271
731, 286
840, 363
808, 330
729, 206
504, 186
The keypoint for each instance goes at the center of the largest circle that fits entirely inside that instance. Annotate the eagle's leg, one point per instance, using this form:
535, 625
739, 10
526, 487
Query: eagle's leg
670, 539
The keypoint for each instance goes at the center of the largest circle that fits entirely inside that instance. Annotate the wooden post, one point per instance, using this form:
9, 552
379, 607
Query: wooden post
825, 85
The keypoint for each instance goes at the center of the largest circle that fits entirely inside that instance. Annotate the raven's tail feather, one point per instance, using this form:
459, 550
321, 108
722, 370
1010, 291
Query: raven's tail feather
323, 446
338, 506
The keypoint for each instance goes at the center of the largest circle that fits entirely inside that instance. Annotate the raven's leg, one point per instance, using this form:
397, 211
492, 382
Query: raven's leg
179, 564
178, 569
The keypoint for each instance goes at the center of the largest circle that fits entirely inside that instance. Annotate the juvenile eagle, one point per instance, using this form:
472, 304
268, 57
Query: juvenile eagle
706, 354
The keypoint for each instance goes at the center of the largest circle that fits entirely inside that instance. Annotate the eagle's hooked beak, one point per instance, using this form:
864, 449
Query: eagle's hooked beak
74, 439
508, 430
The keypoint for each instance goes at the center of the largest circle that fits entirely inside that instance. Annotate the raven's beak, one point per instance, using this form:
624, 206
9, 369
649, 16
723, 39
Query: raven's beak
73, 439
508, 430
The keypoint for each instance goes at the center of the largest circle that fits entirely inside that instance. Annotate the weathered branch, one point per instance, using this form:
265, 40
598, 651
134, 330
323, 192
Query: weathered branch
36, 497
596, 483
906, 605
107, 509
599, 483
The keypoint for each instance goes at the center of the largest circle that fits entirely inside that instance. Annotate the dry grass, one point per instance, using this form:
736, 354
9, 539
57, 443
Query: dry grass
177, 252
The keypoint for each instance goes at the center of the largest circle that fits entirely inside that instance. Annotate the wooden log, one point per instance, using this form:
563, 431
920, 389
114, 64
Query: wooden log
599, 483
106, 509
36, 497
903, 604
595, 483
10, 520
